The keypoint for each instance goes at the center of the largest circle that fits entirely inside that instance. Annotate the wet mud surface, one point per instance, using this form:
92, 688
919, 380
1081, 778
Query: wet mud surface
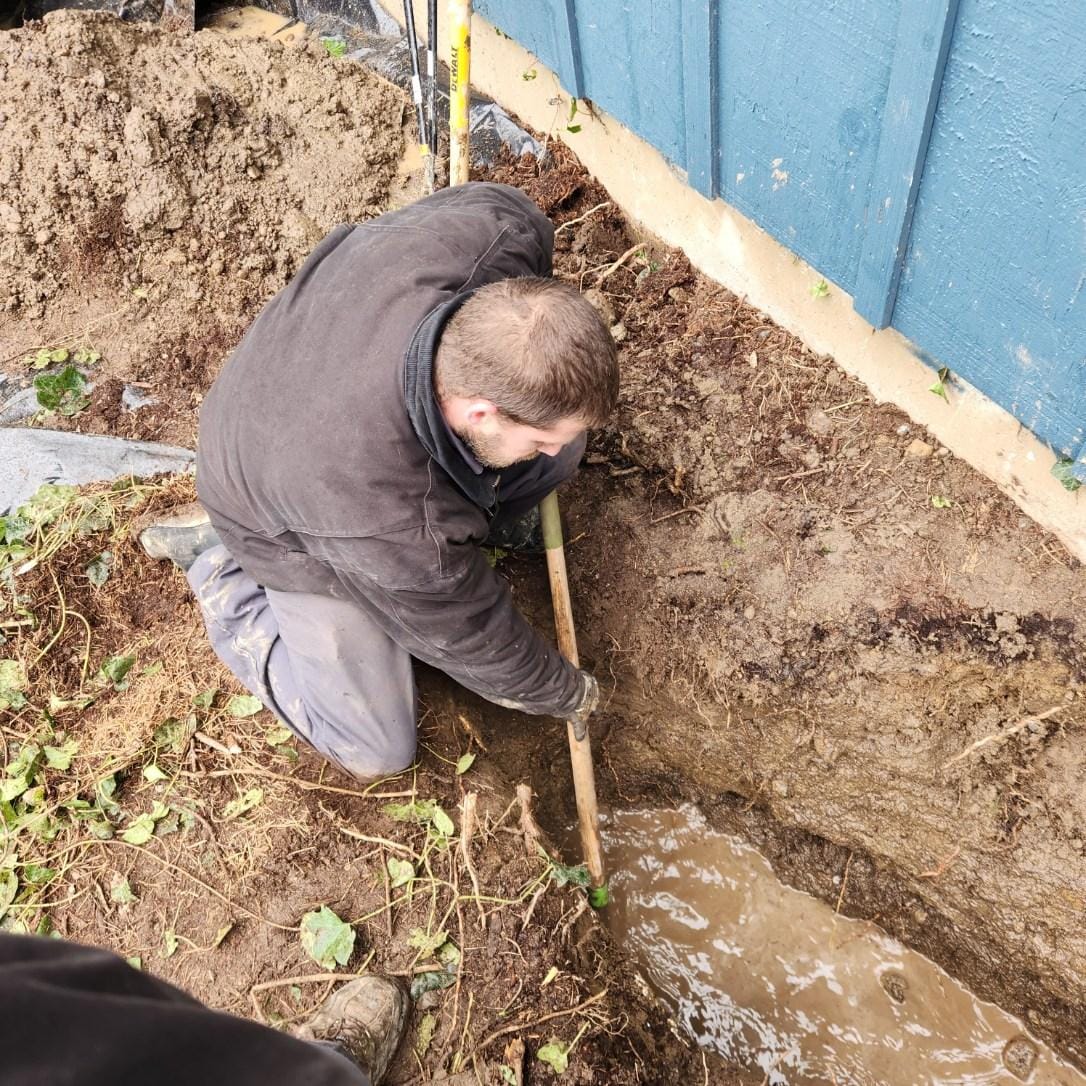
808, 619
780, 982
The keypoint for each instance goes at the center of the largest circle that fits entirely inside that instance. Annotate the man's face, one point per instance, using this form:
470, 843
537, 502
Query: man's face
499, 442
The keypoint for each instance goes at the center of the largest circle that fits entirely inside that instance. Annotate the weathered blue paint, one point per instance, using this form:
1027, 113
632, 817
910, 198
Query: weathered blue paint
802, 88
631, 55
792, 111
544, 29
995, 271
923, 41
700, 23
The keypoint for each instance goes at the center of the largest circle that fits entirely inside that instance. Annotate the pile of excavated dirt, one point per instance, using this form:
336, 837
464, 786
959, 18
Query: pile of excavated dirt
813, 616
156, 190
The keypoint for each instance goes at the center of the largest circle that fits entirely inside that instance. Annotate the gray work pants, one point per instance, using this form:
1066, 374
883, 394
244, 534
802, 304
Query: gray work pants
322, 665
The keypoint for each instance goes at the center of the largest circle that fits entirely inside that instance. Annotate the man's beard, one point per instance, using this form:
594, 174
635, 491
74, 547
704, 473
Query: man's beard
487, 450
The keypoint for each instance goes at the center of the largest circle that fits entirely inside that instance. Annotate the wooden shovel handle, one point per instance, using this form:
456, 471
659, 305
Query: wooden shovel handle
580, 750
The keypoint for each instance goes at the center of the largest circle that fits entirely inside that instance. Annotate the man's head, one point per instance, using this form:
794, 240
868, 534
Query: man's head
524, 367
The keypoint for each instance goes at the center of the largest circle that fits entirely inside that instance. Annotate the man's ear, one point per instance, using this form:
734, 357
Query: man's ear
480, 411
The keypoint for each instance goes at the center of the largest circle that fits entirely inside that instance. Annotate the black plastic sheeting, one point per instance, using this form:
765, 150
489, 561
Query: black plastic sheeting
31, 457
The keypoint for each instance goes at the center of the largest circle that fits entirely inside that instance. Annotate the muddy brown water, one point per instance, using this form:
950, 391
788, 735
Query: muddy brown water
775, 980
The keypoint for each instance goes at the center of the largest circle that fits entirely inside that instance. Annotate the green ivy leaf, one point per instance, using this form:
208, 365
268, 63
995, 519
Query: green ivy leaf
114, 669
464, 763
241, 705
442, 822
9, 887
425, 1034
564, 875
400, 872
173, 734
426, 943
104, 791
64, 392
556, 1054
49, 501
236, 807
38, 874
61, 757
431, 981
423, 811
99, 569
1062, 469
204, 699
154, 774
120, 891
140, 830
26, 761
12, 684
11, 788
326, 938
278, 736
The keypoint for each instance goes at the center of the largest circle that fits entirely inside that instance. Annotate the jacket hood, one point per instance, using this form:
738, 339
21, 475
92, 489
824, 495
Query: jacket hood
475, 481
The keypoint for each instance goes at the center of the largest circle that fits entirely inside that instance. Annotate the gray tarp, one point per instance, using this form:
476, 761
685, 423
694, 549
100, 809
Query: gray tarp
29, 458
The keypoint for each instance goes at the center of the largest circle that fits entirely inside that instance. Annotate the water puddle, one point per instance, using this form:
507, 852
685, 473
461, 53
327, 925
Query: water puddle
771, 978
254, 22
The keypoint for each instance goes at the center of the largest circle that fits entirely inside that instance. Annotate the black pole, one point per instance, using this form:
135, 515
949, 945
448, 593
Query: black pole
416, 81
431, 70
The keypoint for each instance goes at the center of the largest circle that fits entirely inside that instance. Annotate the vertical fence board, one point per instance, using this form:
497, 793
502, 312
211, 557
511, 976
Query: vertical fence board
568, 44
700, 23
925, 30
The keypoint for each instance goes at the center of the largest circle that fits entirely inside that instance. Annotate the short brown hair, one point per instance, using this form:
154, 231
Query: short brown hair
535, 348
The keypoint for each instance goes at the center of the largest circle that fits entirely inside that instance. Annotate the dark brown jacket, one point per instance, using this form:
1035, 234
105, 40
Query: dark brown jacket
325, 465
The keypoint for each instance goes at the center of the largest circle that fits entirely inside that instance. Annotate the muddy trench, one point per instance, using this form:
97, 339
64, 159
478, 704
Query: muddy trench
811, 622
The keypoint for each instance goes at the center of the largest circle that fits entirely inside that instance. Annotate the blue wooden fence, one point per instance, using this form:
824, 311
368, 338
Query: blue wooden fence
928, 156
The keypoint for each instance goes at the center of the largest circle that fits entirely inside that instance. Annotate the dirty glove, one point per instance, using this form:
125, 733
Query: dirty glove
590, 698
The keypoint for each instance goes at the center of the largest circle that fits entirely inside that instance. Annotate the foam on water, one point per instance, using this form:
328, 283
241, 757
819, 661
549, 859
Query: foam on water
771, 978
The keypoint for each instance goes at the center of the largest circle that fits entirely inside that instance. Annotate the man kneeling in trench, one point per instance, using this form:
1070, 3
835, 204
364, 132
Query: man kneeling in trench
408, 398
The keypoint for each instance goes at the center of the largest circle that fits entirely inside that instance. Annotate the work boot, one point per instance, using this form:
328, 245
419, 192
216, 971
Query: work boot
365, 1019
181, 535
524, 535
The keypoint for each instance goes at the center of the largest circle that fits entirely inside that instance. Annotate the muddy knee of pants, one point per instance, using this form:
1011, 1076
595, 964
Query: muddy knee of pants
365, 761
343, 684
322, 665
